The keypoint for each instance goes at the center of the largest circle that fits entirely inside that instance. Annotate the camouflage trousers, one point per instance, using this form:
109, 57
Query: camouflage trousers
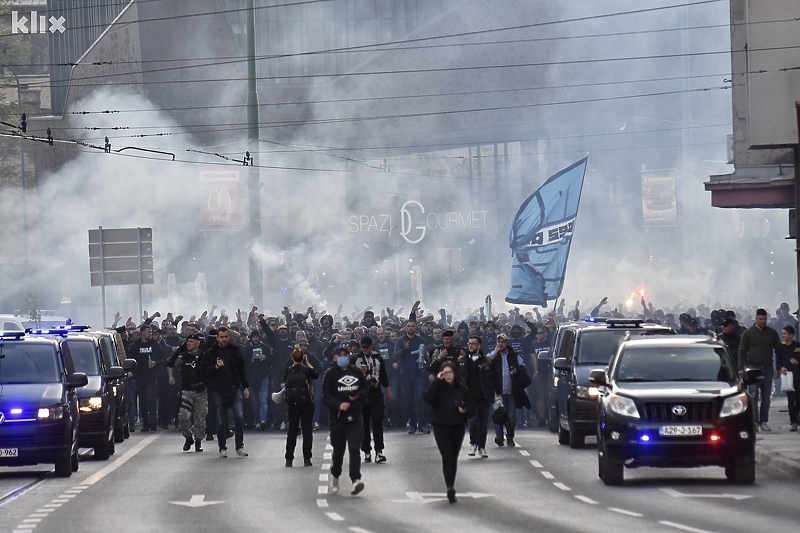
192, 415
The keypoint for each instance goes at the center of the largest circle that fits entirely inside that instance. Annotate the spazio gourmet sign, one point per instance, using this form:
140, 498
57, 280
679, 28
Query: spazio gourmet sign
416, 223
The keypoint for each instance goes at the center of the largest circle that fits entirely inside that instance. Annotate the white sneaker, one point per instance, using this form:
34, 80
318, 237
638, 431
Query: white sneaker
472, 450
765, 427
358, 486
483, 454
334, 485
241, 453
223, 453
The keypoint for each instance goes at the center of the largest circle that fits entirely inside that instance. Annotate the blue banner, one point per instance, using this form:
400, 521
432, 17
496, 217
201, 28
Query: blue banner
541, 235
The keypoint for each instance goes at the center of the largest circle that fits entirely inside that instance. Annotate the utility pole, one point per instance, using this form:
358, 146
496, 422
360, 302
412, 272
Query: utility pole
22, 170
254, 174
797, 197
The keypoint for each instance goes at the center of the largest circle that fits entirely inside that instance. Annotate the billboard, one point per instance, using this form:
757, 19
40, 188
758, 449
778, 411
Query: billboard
220, 199
659, 198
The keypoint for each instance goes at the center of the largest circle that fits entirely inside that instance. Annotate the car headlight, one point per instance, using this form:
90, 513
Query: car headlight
734, 405
87, 405
50, 413
623, 406
586, 392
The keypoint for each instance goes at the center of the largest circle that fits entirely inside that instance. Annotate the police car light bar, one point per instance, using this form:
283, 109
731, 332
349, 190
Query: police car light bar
596, 319
624, 322
71, 327
11, 334
47, 331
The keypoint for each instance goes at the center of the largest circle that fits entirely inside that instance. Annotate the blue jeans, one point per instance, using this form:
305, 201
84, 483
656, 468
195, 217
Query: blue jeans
222, 419
511, 425
764, 388
261, 407
414, 383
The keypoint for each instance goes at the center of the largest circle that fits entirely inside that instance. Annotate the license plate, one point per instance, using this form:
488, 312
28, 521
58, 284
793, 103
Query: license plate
680, 431
9, 452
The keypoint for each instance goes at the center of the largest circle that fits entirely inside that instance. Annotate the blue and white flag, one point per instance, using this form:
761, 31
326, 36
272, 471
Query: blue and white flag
541, 235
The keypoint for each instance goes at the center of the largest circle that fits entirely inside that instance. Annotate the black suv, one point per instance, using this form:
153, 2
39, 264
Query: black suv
675, 402
583, 349
38, 403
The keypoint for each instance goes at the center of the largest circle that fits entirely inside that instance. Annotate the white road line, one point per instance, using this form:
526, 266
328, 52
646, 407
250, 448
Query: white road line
54, 505
623, 511
326, 466
585, 499
562, 486
548, 475
60, 500
322, 504
39, 515
322, 489
45, 510
524, 453
323, 477
683, 527
359, 530
536, 464
328, 446
31, 520
124, 458
327, 456
336, 517
68, 496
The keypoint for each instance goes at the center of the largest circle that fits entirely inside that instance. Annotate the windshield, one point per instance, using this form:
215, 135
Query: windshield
83, 356
690, 363
597, 347
28, 363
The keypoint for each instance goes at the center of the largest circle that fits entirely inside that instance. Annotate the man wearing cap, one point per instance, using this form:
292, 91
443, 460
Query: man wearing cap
730, 337
194, 400
505, 371
446, 351
374, 368
489, 336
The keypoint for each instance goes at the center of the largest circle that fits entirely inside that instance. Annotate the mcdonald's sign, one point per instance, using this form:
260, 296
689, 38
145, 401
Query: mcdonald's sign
220, 199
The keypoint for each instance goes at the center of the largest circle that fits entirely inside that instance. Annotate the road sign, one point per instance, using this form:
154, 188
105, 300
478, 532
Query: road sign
121, 249
122, 278
120, 235
121, 256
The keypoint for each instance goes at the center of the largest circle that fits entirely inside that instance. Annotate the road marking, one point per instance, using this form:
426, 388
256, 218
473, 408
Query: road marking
675, 494
45, 510
623, 511
548, 475
322, 504
197, 500
68, 496
683, 527
359, 530
53, 505
31, 520
61, 500
326, 466
562, 486
585, 499
430, 497
322, 489
124, 458
536, 464
323, 477
328, 446
336, 517
524, 453
326, 455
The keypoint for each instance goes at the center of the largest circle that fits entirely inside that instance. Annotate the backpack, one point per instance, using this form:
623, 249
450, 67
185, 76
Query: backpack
296, 387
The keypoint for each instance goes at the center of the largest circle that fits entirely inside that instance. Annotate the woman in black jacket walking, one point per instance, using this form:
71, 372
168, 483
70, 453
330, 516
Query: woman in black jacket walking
452, 405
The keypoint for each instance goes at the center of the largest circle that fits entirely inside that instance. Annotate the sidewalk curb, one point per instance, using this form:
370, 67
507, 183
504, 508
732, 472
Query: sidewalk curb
776, 462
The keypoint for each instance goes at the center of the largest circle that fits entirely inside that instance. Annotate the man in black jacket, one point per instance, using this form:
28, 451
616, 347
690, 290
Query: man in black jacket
506, 367
222, 368
374, 368
343, 391
194, 400
148, 354
478, 371
258, 365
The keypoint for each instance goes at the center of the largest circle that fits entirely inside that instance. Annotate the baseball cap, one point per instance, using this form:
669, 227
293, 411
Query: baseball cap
194, 336
366, 341
502, 336
353, 342
283, 326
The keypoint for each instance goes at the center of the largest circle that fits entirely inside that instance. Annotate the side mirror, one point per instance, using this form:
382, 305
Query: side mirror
116, 372
753, 375
129, 365
561, 364
598, 377
78, 380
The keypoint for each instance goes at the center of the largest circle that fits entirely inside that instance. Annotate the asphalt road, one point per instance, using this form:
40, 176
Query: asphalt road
151, 485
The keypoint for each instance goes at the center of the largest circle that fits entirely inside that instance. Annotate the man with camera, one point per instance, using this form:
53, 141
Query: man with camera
296, 385
343, 391
374, 368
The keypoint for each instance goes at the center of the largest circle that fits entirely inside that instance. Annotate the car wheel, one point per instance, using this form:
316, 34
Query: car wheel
742, 473
119, 431
563, 434
553, 420
103, 451
112, 447
73, 461
609, 471
576, 438
64, 467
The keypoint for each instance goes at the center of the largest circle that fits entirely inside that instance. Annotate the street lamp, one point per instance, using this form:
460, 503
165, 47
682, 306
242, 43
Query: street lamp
22, 169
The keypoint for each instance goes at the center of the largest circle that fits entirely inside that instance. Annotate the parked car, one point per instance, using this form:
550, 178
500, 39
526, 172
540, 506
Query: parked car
39, 417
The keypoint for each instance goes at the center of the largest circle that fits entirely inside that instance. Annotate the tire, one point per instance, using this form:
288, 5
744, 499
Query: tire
563, 434
112, 447
126, 430
103, 452
611, 472
576, 439
64, 467
73, 461
742, 473
553, 421
119, 431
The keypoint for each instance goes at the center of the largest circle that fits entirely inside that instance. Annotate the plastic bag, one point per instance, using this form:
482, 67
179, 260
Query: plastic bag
787, 382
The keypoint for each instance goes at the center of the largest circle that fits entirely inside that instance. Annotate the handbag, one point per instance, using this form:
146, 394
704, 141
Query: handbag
500, 415
787, 382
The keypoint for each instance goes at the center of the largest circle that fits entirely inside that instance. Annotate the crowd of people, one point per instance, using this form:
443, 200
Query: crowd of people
361, 373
